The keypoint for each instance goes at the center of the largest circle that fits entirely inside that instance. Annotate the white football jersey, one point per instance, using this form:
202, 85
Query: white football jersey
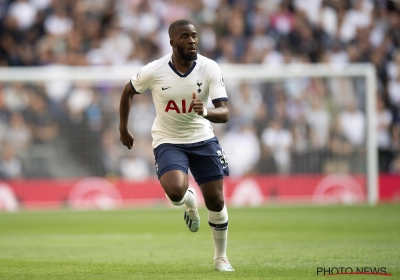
176, 122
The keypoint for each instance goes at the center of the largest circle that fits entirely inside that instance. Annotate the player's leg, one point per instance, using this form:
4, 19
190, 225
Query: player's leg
175, 184
218, 221
208, 165
172, 168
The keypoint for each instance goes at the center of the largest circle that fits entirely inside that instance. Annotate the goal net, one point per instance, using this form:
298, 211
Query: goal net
327, 113
62, 122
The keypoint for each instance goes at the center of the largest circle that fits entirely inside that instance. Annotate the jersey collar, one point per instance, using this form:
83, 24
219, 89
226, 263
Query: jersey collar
179, 73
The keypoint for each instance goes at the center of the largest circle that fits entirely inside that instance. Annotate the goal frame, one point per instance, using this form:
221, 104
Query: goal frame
238, 72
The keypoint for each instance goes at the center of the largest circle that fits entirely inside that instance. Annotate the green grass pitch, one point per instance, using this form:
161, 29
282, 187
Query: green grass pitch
274, 242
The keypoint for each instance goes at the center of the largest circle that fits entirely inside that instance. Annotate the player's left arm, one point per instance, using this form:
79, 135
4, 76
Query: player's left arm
218, 114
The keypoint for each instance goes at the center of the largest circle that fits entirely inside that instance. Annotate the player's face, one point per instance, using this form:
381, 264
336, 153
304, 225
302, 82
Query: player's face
186, 42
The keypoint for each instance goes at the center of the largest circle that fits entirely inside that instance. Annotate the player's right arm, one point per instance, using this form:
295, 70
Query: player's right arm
124, 108
137, 84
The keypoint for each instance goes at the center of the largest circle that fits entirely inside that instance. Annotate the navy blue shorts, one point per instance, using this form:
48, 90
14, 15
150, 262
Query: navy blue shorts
206, 160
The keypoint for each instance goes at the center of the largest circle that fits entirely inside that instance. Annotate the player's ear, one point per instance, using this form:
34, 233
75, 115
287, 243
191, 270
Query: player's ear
171, 42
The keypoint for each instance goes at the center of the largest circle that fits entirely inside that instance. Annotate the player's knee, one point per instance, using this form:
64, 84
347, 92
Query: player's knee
216, 204
175, 195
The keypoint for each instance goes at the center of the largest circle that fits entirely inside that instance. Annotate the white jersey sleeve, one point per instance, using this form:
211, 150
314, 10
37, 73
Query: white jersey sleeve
217, 89
144, 78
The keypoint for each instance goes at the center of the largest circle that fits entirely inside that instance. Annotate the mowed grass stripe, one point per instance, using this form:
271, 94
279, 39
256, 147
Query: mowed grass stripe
269, 242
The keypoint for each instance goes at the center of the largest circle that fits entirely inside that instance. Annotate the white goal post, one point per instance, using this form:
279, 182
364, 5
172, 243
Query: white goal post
237, 72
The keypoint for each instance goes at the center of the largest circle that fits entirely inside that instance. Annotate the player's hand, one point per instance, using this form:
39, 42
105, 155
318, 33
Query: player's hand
126, 139
197, 105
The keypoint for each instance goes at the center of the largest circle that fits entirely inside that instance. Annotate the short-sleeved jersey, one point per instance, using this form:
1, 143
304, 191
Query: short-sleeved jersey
176, 122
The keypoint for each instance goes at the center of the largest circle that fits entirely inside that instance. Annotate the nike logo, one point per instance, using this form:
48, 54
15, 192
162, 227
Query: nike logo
164, 88
223, 167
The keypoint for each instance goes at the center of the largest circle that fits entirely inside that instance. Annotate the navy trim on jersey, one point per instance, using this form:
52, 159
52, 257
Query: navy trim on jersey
178, 73
136, 92
220, 99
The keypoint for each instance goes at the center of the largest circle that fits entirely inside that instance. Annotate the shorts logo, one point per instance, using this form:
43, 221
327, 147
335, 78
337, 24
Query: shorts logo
222, 158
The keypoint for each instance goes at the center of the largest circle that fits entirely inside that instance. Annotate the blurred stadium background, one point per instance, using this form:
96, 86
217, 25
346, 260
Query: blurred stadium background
291, 138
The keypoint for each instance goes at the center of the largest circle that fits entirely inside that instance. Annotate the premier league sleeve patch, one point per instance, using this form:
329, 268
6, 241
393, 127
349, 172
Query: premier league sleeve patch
137, 76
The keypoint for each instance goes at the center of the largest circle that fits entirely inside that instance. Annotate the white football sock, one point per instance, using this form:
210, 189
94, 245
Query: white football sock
218, 222
187, 199
190, 199
180, 202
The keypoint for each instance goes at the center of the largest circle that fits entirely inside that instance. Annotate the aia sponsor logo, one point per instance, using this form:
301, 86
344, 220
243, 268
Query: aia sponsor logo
173, 106
94, 193
8, 200
338, 189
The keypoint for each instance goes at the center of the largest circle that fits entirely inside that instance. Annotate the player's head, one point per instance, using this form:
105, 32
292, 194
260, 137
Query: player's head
183, 39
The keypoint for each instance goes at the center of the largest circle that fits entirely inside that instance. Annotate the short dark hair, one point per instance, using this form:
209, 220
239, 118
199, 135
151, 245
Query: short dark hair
175, 24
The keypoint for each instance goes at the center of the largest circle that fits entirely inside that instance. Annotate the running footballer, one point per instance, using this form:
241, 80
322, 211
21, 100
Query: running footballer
181, 84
